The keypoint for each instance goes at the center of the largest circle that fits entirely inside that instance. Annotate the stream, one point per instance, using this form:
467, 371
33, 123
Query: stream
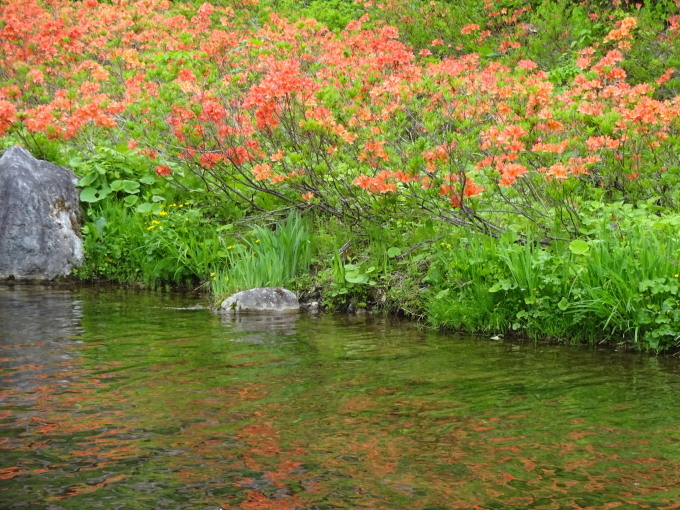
123, 399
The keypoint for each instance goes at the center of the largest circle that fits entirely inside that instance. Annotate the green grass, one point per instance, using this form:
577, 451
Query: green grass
623, 287
265, 257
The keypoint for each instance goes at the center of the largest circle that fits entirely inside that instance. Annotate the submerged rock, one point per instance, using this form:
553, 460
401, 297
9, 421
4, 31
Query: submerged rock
264, 299
39, 218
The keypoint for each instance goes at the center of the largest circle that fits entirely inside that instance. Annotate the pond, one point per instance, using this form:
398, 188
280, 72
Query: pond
130, 400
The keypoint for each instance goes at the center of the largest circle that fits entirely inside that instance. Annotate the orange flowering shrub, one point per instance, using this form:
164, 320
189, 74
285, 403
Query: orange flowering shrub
353, 122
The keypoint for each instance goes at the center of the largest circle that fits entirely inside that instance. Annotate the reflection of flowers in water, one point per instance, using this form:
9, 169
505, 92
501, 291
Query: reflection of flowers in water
262, 328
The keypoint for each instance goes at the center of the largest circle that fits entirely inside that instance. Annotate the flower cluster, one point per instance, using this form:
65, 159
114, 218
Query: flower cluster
293, 109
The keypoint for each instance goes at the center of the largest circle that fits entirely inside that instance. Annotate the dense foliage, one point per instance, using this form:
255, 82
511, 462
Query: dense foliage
542, 136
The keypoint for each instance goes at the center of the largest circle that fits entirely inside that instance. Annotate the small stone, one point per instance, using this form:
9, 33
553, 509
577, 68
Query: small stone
263, 299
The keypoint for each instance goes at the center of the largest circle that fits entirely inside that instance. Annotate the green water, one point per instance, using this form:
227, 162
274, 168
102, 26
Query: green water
124, 400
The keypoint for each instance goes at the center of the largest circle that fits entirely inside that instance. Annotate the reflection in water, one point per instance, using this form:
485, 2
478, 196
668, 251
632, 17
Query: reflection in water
261, 328
35, 326
131, 400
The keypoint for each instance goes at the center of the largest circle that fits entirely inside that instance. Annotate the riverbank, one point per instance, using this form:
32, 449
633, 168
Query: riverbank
618, 286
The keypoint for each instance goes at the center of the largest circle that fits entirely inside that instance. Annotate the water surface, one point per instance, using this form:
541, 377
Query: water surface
124, 400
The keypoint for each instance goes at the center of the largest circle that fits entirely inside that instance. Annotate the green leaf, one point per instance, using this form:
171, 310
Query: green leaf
146, 207
352, 277
131, 200
442, 293
91, 194
123, 148
394, 251
579, 247
563, 304
125, 185
131, 187
87, 179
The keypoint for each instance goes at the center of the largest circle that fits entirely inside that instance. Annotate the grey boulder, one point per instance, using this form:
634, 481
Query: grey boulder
264, 299
39, 218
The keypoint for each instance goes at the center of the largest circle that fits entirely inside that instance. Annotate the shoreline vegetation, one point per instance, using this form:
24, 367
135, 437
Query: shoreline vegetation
503, 168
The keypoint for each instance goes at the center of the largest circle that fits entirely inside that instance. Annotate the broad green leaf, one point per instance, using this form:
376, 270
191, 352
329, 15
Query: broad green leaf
356, 278
563, 304
579, 247
131, 200
91, 194
99, 224
145, 207
87, 179
131, 187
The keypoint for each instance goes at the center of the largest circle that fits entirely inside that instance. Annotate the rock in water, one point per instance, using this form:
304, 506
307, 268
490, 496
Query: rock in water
39, 218
265, 299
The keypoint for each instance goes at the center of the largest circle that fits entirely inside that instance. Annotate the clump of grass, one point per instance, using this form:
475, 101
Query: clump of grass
265, 257
629, 285
621, 283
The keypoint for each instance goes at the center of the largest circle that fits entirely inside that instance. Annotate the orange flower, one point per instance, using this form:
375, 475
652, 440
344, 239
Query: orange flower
665, 76
186, 75
262, 171
510, 172
7, 115
163, 171
527, 64
558, 171
36, 76
469, 28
